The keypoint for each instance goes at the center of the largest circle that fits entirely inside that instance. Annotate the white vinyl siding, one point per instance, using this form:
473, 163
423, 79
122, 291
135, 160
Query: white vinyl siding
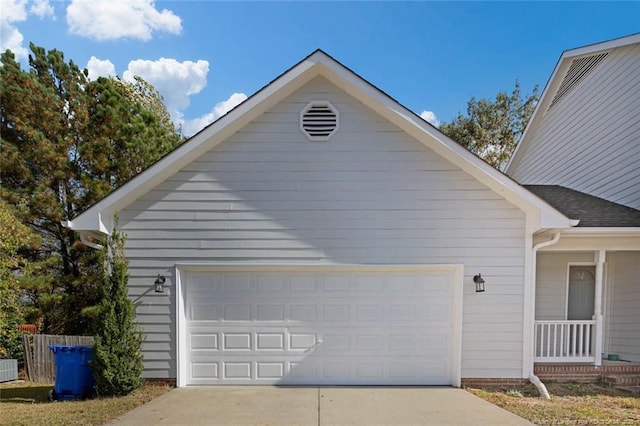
589, 141
624, 334
551, 285
369, 195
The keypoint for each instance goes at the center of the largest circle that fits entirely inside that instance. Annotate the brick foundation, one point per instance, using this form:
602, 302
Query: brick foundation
494, 383
584, 373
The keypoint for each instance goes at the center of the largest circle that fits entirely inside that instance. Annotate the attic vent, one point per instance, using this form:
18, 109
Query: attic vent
319, 120
577, 71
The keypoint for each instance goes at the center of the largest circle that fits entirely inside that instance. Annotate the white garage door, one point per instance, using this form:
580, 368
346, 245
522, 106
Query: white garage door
331, 327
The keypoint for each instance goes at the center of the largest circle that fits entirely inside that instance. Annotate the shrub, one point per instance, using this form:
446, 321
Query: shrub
117, 360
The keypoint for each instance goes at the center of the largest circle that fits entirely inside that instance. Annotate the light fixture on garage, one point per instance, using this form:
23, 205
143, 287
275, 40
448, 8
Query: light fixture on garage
479, 283
160, 283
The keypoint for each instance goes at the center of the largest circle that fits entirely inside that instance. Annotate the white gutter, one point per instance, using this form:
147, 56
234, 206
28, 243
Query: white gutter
589, 231
88, 238
532, 377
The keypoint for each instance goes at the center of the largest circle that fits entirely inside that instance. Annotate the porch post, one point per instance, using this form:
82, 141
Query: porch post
597, 306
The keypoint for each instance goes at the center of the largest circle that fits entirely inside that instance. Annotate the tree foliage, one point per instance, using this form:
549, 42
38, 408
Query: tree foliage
66, 142
117, 361
491, 128
14, 237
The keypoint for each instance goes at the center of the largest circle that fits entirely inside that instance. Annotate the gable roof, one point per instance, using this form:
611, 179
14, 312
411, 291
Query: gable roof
561, 80
589, 210
99, 217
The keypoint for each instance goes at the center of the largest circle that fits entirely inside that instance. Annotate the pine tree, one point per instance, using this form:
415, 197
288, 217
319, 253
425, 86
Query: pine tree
117, 362
65, 143
14, 237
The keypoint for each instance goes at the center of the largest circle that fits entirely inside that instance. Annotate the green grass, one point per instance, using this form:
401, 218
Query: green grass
570, 404
25, 403
26, 394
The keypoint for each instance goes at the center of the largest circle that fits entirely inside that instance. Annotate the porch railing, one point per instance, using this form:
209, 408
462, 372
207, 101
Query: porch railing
565, 341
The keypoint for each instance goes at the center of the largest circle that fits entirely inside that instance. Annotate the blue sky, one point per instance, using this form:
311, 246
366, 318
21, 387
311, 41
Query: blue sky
205, 56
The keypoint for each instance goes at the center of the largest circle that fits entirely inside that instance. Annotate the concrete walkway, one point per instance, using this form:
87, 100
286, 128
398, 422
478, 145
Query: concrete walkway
269, 405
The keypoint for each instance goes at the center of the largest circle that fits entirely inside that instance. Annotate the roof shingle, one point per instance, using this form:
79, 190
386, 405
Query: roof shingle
591, 211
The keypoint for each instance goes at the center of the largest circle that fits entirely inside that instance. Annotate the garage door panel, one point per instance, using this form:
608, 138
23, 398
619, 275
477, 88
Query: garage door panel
270, 312
270, 341
319, 328
204, 312
204, 371
302, 341
237, 370
204, 341
270, 370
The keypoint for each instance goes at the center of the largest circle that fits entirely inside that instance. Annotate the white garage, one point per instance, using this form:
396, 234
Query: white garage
333, 325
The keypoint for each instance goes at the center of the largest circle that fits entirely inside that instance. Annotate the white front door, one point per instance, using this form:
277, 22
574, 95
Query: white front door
368, 326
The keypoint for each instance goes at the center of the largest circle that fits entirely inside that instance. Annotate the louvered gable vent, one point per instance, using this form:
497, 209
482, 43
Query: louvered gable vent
319, 120
578, 70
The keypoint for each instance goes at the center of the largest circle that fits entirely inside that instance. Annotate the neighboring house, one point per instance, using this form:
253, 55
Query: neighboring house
321, 233
581, 153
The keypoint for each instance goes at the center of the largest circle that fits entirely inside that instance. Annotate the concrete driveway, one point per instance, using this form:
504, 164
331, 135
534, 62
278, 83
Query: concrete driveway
270, 405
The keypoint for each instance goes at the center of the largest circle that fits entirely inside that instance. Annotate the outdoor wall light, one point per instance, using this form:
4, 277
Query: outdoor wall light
479, 283
160, 283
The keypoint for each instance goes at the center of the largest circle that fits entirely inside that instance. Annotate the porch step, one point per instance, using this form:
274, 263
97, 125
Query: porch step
568, 372
622, 379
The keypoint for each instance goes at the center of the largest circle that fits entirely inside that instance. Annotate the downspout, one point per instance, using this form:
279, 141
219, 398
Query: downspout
535, 380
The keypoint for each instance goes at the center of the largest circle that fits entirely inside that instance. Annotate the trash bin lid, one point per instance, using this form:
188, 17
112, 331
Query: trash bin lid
76, 348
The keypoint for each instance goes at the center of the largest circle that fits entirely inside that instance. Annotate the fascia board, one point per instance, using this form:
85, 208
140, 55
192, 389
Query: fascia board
543, 215
597, 239
602, 46
98, 217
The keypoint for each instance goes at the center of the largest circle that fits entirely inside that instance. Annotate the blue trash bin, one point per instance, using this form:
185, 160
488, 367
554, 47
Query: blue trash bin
74, 378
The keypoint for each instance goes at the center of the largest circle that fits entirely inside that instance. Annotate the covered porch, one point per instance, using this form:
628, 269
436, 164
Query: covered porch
587, 302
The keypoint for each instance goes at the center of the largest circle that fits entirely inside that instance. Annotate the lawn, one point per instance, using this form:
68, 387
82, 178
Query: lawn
570, 404
25, 403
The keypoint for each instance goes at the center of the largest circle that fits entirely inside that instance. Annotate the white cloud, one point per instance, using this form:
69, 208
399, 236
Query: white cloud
10, 37
42, 9
14, 11
100, 68
175, 81
430, 117
191, 127
113, 19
